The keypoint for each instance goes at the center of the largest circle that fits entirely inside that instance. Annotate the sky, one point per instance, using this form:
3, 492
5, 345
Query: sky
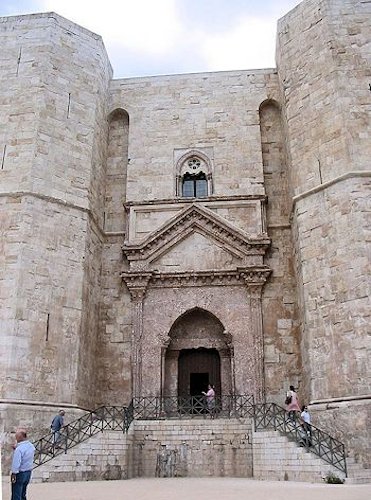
157, 37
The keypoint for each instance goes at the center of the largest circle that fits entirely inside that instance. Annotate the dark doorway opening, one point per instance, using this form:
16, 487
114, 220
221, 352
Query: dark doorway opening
196, 369
198, 382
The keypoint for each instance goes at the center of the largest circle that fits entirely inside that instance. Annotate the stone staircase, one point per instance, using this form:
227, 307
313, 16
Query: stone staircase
357, 474
277, 458
104, 456
158, 448
198, 447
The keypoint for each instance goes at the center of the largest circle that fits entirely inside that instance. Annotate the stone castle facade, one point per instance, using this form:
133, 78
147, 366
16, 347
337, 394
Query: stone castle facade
162, 233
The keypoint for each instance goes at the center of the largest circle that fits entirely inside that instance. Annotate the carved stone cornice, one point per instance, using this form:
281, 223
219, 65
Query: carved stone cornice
254, 276
206, 222
186, 201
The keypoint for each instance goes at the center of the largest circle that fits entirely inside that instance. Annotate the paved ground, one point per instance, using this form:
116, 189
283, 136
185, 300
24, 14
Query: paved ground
193, 489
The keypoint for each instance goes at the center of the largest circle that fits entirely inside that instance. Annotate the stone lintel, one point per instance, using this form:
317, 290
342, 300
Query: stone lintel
188, 201
253, 277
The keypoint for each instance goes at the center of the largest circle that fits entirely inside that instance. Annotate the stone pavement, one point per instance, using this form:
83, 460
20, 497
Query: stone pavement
193, 489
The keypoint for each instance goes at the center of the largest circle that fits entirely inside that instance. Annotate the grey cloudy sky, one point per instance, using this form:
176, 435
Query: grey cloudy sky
153, 37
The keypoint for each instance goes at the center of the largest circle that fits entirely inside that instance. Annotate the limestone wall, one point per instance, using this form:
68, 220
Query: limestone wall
323, 55
113, 359
282, 356
322, 47
53, 85
280, 311
336, 289
349, 422
41, 354
214, 112
192, 448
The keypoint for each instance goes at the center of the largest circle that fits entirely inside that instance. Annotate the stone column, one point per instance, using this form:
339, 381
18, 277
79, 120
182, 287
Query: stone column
137, 285
171, 373
256, 325
255, 280
225, 372
164, 347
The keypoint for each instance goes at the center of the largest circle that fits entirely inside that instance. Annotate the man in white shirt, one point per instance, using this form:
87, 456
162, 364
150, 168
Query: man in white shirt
22, 464
307, 428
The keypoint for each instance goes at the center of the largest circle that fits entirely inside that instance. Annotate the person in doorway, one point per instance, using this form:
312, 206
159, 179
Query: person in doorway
56, 425
210, 400
22, 464
306, 427
292, 403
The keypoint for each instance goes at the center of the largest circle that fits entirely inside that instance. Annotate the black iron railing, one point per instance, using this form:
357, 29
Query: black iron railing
119, 418
272, 416
114, 418
152, 407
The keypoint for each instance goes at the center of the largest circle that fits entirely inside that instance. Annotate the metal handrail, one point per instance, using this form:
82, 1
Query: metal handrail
119, 418
273, 416
115, 418
167, 407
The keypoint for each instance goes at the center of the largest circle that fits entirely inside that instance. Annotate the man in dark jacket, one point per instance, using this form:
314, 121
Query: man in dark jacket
57, 424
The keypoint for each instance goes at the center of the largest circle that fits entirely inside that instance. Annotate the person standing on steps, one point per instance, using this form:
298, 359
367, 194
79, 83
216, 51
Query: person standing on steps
307, 428
56, 425
210, 400
22, 464
292, 403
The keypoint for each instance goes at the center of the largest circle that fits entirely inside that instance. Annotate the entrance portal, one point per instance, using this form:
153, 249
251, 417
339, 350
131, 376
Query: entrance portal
197, 355
196, 369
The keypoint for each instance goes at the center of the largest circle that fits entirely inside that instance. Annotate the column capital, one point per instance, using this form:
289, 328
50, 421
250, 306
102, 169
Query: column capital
137, 283
255, 278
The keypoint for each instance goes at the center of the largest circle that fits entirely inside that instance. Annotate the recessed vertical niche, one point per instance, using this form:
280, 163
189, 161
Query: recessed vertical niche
116, 173
274, 162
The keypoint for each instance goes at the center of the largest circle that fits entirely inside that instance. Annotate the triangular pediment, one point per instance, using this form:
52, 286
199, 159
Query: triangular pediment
196, 218
196, 252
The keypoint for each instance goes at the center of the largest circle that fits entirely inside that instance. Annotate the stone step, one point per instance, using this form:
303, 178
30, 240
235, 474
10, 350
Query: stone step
357, 468
192, 448
158, 448
358, 480
357, 474
278, 458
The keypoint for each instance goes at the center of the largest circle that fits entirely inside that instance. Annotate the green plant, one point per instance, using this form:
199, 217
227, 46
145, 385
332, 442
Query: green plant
331, 478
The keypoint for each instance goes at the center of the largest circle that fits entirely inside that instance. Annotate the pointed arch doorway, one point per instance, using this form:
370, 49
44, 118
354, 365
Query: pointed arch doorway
198, 355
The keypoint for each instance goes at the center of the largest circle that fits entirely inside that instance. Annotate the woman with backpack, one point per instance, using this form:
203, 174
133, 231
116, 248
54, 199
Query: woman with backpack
292, 403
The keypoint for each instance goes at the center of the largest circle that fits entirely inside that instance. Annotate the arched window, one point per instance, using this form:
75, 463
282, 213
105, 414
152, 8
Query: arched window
194, 186
194, 179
